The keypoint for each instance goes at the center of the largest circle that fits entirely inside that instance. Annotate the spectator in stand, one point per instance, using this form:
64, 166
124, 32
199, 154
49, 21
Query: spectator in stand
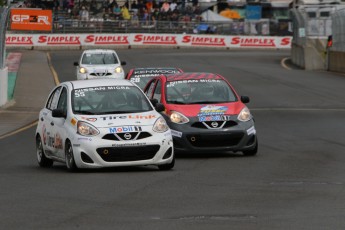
134, 7
149, 5
173, 6
84, 15
117, 12
134, 19
93, 7
125, 12
105, 6
165, 7
56, 5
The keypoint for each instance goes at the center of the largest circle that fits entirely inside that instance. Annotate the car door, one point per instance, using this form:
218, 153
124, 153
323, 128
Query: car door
60, 125
48, 125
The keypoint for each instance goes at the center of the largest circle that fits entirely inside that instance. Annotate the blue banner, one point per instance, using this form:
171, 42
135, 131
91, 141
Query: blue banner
253, 12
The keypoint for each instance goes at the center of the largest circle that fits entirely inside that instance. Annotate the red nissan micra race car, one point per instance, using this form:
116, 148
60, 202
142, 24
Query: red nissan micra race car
205, 113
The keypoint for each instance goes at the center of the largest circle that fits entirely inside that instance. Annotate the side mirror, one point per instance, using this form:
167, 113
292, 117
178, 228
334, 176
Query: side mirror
59, 113
154, 101
159, 107
245, 99
76, 63
123, 63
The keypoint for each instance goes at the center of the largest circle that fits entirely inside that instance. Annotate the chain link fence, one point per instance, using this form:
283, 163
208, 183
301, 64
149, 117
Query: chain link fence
312, 22
4, 14
338, 27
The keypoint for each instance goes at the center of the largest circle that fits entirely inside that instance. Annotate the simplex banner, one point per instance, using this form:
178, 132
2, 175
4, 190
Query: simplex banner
141, 39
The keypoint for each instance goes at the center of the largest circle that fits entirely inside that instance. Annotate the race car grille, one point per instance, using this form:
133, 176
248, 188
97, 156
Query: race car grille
208, 124
102, 74
215, 140
126, 136
130, 153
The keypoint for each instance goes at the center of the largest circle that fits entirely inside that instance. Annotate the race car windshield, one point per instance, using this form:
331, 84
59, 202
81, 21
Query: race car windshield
109, 100
200, 91
141, 81
99, 59
142, 76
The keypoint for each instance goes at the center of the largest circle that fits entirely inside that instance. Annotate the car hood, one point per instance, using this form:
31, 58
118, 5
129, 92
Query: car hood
193, 110
101, 67
112, 120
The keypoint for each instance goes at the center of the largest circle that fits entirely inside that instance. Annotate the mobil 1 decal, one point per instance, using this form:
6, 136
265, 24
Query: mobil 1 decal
213, 113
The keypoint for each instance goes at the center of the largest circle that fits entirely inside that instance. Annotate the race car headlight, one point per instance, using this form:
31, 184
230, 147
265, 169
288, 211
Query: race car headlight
178, 118
160, 126
86, 129
82, 70
244, 115
118, 70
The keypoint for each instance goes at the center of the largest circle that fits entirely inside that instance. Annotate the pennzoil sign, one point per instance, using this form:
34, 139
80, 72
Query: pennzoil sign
31, 19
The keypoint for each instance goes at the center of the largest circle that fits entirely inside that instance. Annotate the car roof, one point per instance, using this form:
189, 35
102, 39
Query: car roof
193, 76
99, 82
154, 68
99, 51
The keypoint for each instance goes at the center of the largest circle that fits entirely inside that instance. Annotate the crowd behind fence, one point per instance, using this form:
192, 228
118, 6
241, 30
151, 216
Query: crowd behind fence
142, 16
265, 27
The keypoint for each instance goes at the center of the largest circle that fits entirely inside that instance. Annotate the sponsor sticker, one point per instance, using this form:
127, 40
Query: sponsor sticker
176, 133
251, 130
73, 121
124, 129
84, 139
214, 118
128, 144
212, 110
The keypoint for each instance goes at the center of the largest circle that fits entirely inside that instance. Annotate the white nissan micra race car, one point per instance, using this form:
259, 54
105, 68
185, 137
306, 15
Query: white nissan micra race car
102, 123
99, 63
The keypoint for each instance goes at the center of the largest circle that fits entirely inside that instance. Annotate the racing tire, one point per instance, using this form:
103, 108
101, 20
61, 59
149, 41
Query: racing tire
42, 160
168, 166
251, 152
69, 158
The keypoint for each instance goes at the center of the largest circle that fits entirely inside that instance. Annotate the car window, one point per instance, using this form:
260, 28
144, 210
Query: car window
199, 91
53, 99
63, 100
150, 89
99, 59
109, 100
157, 92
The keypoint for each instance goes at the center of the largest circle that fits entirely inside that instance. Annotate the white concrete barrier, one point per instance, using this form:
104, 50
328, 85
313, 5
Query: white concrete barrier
3, 86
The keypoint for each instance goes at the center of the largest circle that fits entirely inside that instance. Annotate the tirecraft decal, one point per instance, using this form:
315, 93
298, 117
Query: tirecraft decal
155, 39
59, 40
107, 39
204, 41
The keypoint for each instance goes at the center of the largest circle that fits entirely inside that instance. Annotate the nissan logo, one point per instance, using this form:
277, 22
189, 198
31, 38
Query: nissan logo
127, 136
214, 124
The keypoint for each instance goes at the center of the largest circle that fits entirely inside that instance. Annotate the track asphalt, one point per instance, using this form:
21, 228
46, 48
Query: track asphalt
34, 81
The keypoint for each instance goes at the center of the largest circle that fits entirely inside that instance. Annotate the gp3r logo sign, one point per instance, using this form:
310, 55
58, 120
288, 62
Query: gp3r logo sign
31, 19
27, 19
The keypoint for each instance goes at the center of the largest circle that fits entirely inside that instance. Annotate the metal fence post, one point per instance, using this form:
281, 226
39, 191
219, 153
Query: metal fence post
4, 12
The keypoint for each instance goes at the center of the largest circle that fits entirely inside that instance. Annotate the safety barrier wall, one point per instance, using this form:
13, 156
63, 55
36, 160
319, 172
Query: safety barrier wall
79, 41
